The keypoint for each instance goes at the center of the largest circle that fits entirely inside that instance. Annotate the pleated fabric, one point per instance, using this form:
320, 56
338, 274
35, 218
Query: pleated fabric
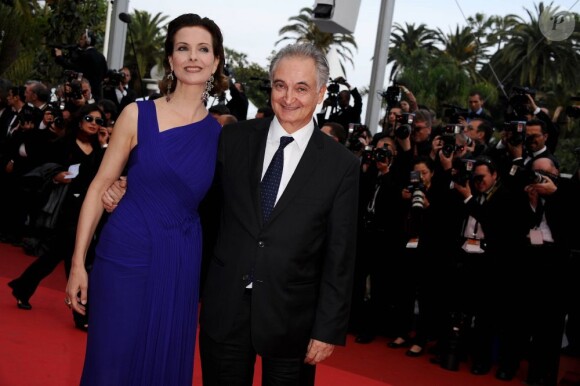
144, 285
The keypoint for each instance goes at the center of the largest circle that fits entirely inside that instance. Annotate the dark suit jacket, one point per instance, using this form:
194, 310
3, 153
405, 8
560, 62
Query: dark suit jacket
301, 261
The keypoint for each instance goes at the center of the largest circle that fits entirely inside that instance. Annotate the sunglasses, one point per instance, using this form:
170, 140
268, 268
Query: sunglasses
90, 119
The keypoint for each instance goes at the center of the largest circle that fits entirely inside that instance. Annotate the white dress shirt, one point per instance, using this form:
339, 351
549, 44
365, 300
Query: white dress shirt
292, 152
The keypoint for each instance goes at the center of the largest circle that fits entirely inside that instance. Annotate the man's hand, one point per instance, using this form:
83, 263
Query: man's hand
61, 178
318, 351
544, 188
114, 194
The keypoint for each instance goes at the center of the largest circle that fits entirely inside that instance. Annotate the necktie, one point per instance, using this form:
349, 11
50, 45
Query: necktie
271, 181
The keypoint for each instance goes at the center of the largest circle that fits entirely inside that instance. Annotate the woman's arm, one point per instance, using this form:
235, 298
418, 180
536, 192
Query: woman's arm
124, 138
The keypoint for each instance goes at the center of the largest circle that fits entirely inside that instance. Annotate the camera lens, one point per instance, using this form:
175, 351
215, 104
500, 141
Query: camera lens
418, 199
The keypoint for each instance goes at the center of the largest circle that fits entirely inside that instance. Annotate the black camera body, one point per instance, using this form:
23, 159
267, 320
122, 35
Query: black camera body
376, 154
405, 125
462, 171
525, 176
516, 132
453, 113
519, 100
113, 78
448, 138
355, 131
332, 89
58, 119
392, 95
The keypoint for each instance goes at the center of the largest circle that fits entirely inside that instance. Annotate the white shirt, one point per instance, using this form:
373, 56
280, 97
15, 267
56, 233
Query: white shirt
292, 152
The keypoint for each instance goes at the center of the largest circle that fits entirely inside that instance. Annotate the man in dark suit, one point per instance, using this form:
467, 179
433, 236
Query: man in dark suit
346, 113
279, 284
552, 202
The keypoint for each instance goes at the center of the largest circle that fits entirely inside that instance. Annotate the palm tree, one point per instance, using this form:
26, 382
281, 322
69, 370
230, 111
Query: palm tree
530, 59
148, 35
463, 47
406, 40
304, 30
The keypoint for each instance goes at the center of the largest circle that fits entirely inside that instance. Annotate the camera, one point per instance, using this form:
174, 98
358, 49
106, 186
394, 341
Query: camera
392, 95
56, 109
113, 78
405, 125
417, 190
463, 171
525, 176
367, 155
519, 100
69, 51
332, 89
355, 132
516, 132
382, 154
448, 133
453, 113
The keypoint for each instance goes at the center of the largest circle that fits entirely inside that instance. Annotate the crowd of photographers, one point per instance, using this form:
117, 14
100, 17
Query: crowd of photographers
468, 235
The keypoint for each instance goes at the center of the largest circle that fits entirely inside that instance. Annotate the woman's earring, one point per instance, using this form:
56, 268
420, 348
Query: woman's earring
170, 78
208, 87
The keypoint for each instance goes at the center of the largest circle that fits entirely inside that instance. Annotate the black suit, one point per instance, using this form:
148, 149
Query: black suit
546, 270
301, 260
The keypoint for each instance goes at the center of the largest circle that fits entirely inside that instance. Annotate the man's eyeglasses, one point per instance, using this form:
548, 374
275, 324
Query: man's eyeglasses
90, 119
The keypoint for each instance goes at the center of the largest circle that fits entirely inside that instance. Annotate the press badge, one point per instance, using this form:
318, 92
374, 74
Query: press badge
536, 237
413, 243
472, 246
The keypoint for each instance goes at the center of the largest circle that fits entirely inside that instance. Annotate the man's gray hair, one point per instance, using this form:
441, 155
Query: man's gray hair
304, 50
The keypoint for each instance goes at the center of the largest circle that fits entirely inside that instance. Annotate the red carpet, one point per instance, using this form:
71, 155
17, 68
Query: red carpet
41, 346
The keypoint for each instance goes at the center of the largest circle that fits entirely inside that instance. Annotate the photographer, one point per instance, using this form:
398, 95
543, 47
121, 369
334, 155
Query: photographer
116, 88
383, 175
552, 200
408, 102
523, 107
480, 132
87, 60
238, 103
344, 113
494, 236
421, 135
431, 217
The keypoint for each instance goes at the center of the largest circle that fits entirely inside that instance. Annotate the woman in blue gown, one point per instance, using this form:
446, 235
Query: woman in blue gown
145, 279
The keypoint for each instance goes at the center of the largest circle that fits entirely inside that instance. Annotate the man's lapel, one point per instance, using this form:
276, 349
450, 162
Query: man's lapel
307, 165
257, 146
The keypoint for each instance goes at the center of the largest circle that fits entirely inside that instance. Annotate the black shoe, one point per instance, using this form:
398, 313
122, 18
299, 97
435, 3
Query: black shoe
23, 304
480, 369
414, 354
82, 325
364, 338
505, 374
393, 344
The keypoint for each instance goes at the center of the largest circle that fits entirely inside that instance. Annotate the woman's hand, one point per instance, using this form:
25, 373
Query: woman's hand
76, 289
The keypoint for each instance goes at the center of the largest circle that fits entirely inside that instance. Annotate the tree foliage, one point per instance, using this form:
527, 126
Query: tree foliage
304, 30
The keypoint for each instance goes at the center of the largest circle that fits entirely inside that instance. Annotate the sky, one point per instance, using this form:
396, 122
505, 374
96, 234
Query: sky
251, 26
